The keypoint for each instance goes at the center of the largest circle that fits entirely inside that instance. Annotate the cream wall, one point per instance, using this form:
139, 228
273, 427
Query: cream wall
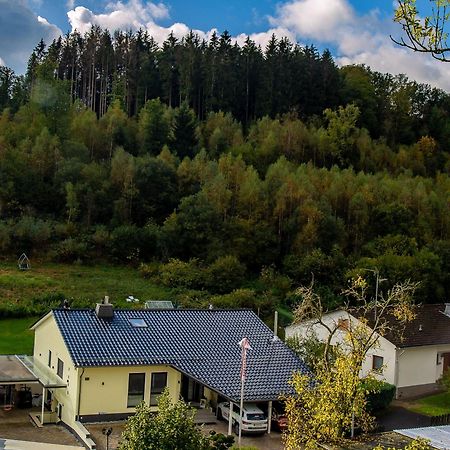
48, 337
104, 390
417, 365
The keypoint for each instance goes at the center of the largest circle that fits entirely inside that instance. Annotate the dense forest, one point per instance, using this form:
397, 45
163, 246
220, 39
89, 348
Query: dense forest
218, 163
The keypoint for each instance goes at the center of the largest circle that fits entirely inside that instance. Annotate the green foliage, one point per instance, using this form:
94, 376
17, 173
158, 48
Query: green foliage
171, 428
416, 444
274, 157
70, 250
224, 274
380, 394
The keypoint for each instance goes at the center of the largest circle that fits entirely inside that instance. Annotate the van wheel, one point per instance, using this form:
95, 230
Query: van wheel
219, 414
236, 429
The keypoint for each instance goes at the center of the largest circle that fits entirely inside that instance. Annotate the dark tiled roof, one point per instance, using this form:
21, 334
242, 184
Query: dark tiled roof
200, 343
430, 327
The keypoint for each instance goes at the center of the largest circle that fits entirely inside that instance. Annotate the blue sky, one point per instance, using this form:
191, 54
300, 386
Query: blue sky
356, 31
236, 16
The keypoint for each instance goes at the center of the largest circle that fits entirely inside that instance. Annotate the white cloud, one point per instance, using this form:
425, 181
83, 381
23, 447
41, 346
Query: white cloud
132, 15
2, 63
316, 19
70, 4
20, 32
358, 39
264, 37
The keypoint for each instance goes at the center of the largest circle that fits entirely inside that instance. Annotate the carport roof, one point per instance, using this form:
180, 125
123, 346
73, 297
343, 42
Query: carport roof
13, 371
20, 369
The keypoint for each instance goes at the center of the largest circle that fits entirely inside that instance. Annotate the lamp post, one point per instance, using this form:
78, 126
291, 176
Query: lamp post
107, 432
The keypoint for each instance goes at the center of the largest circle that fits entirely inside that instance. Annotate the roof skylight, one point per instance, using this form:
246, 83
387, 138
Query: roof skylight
138, 323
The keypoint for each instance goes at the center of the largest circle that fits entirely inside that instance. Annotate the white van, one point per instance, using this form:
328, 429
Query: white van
253, 419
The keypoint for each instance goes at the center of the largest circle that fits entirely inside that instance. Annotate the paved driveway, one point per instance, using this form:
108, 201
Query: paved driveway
265, 442
11, 444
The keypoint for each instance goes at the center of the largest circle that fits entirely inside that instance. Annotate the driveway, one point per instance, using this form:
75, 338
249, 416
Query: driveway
398, 417
11, 444
265, 442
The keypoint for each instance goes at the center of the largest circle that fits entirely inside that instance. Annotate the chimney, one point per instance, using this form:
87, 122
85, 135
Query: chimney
447, 309
104, 310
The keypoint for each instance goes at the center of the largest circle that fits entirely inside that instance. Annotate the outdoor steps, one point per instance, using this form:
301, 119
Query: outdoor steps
35, 419
84, 435
205, 416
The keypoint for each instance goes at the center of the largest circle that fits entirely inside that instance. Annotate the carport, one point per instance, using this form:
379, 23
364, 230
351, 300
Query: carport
24, 370
438, 437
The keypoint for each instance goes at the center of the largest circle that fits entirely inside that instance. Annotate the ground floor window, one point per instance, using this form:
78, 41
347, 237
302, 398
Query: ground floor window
159, 383
136, 385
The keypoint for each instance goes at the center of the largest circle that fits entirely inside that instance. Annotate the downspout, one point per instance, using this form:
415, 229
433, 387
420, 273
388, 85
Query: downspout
79, 394
397, 369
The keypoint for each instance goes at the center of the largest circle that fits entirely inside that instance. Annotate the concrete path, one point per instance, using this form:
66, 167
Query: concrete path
11, 444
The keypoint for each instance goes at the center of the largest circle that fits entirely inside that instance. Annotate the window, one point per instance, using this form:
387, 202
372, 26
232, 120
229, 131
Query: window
136, 384
138, 323
60, 370
377, 363
49, 358
159, 382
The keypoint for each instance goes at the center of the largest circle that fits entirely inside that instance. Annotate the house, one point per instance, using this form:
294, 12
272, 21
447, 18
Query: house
413, 358
108, 360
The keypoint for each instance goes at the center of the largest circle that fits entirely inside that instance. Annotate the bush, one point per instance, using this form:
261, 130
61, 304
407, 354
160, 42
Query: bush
31, 233
380, 395
149, 271
5, 236
224, 274
124, 244
70, 250
177, 273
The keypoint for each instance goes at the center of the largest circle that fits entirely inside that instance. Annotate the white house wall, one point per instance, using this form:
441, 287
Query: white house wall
420, 365
385, 349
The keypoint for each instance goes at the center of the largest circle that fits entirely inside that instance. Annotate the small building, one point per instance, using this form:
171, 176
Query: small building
412, 358
110, 359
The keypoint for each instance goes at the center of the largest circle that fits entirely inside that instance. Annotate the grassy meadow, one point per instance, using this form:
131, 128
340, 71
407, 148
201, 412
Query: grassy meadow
85, 284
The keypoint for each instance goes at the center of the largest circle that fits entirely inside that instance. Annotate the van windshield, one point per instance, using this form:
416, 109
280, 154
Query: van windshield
255, 416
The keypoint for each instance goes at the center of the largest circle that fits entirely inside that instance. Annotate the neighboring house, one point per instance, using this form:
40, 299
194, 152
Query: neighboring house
108, 360
412, 358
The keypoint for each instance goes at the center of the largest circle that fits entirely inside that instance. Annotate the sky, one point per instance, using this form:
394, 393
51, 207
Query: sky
356, 31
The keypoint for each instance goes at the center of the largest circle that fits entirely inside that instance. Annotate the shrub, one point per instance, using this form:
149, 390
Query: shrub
177, 273
5, 237
380, 395
31, 233
124, 244
149, 271
70, 250
224, 274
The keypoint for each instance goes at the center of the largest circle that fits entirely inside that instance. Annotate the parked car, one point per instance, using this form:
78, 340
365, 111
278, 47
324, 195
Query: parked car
253, 419
279, 420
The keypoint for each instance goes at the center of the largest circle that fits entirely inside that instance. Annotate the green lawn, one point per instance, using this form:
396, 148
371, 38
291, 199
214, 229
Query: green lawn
434, 405
85, 283
15, 336
79, 282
